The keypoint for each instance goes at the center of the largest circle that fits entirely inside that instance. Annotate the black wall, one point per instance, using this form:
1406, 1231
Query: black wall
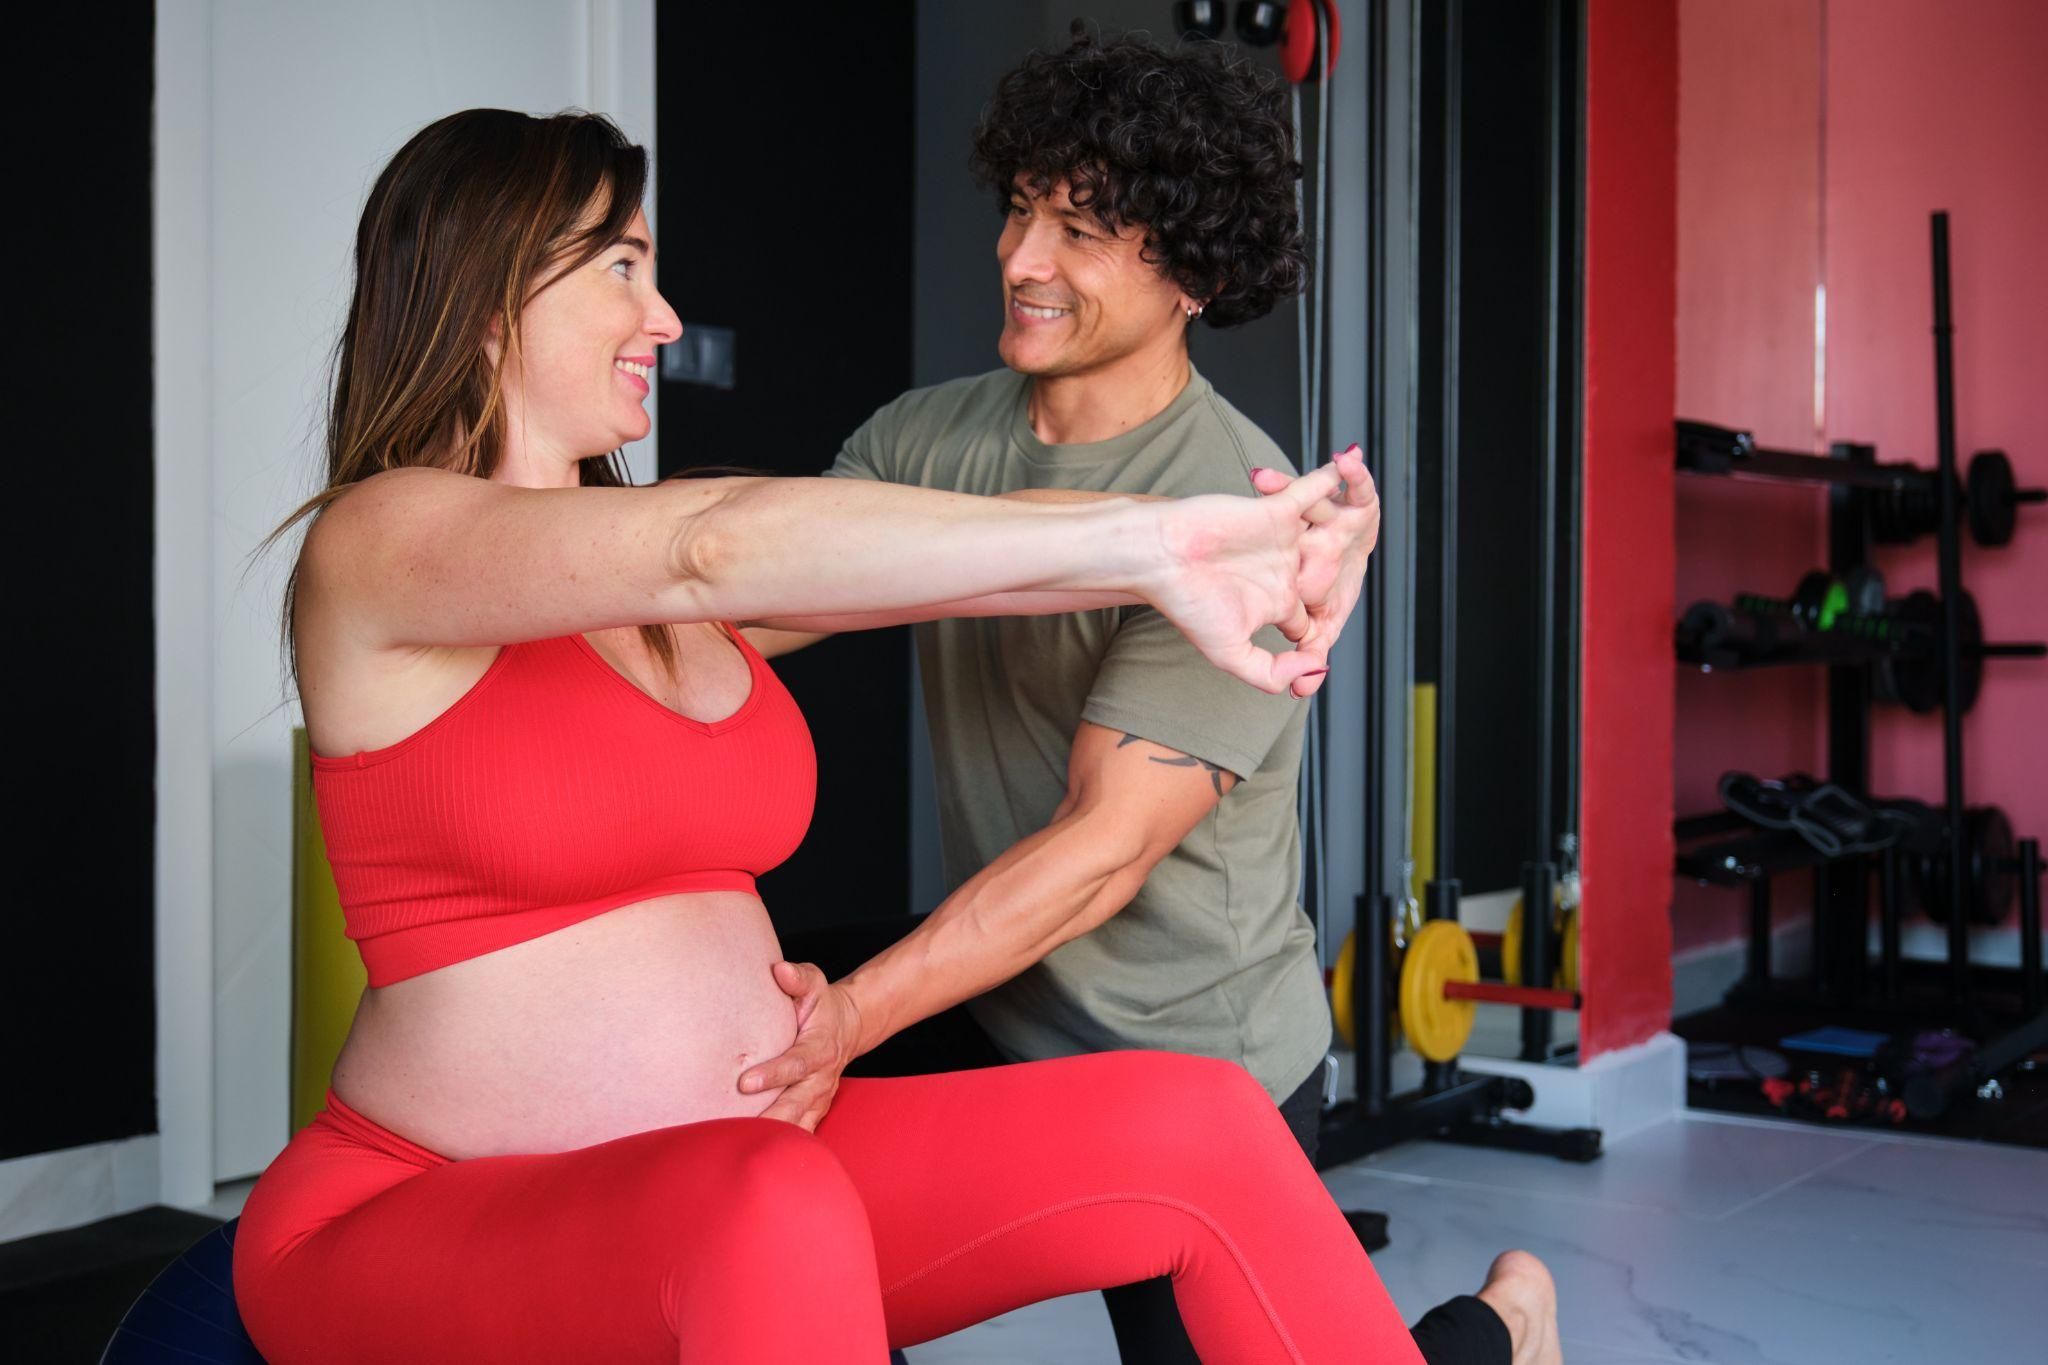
77, 991
786, 170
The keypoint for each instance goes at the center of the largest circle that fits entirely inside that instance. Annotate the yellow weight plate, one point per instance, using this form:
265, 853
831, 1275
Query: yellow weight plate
1340, 989
1442, 952
1511, 946
1568, 967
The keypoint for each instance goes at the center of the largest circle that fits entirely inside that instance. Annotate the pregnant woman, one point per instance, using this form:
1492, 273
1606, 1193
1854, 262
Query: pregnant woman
549, 768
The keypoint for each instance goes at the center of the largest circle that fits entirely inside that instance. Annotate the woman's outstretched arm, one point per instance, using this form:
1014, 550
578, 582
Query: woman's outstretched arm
422, 557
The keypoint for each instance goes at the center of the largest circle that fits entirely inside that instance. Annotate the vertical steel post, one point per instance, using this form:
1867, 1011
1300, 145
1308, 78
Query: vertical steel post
2031, 984
1539, 894
1890, 910
1758, 972
1949, 571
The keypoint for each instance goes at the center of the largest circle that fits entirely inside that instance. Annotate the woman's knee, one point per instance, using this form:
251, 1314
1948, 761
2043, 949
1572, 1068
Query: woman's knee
763, 1184
784, 1225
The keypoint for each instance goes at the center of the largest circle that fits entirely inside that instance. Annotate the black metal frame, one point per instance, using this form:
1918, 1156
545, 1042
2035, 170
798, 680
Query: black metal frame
1450, 1104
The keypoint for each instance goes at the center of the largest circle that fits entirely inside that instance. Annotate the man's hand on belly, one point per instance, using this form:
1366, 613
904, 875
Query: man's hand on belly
827, 1039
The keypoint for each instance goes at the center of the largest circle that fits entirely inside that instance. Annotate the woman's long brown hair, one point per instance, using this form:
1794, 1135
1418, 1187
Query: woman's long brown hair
458, 231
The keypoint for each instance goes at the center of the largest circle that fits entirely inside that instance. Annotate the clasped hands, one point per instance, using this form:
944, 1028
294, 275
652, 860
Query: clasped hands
1230, 577
1295, 558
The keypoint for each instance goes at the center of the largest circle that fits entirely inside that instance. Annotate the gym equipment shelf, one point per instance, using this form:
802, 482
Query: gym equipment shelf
1707, 449
1756, 854
1870, 503
1833, 651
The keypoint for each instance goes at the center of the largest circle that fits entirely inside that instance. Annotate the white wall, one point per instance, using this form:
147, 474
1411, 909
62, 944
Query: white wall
272, 121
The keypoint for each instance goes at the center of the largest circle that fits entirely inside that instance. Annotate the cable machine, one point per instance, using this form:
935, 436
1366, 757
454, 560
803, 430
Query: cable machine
1405, 958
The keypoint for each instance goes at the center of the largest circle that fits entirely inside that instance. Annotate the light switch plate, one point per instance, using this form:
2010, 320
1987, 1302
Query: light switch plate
703, 355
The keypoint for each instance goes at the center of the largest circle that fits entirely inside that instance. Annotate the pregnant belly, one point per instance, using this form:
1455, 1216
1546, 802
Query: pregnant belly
639, 1018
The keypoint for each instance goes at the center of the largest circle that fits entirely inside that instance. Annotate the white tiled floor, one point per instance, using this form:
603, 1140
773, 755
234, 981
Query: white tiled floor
1722, 1241
1706, 1240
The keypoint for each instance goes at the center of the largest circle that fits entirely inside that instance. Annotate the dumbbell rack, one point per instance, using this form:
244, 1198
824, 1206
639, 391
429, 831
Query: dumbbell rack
1862, 493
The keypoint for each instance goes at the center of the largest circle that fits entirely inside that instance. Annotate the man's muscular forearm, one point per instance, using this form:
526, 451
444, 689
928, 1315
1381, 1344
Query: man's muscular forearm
1129, 802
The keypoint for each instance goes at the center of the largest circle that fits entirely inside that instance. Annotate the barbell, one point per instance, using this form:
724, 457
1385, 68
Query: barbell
1439, 989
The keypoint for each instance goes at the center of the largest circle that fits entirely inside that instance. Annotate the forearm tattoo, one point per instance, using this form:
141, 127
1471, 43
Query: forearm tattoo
1180, 761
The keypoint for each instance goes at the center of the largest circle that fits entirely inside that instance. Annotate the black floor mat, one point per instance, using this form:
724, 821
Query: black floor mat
63, 1293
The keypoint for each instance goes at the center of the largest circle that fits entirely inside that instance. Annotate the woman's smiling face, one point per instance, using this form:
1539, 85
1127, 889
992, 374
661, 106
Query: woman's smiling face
588, 352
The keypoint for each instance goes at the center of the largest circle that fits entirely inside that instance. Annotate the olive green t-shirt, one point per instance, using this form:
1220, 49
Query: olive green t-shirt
1214, 956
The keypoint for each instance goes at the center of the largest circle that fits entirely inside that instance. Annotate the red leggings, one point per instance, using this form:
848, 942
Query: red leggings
921, 1205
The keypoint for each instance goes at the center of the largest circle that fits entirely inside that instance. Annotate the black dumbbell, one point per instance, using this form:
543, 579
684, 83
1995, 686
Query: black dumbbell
1989, 499
1994, 501
1990, 880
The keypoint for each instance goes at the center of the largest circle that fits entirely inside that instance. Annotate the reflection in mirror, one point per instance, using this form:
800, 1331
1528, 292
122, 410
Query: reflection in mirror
1495, 789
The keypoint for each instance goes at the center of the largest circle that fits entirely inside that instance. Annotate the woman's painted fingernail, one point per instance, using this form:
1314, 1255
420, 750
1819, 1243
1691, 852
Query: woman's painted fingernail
1256, 471
1314, 671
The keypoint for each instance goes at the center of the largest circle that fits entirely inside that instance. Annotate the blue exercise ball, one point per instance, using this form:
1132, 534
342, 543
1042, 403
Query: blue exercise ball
187, 1316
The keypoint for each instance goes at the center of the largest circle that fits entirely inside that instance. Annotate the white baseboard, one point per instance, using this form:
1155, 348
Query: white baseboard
54, 1190
1619, 1093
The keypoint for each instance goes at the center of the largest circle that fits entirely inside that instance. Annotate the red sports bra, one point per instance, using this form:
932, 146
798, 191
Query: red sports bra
555, 790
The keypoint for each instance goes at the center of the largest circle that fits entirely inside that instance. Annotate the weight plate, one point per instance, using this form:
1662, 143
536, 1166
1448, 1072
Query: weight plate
1568, 963
1341, 980
1511, 946
1990, 882
1890, 523
1913, 676
1971, 641
1563, 943
1993, 882
1442, 952
1992, 508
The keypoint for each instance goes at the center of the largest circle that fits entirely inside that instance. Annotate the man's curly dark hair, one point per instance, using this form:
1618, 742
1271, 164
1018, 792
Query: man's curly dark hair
1193, 145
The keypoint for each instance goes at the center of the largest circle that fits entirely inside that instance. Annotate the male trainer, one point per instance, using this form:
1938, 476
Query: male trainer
1118, 816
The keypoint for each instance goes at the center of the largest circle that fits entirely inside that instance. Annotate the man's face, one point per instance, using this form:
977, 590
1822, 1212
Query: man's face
1075, 297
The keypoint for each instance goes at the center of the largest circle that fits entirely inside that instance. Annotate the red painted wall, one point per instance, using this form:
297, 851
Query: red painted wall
1630, 301
1858, 120
1945, 107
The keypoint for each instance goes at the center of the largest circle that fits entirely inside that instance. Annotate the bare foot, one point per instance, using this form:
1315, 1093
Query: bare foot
1518, 1287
